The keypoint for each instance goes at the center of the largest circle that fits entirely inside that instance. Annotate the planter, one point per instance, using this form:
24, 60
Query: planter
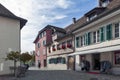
69, 45
63, 47
54, 49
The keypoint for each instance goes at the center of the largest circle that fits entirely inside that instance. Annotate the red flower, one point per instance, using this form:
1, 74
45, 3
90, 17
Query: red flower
69, 45
63, 46
54, 49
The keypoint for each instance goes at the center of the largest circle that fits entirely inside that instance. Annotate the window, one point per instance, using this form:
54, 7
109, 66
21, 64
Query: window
94, 37
102, 36
77, 42
98, 35
109, 32
38, 45
58, 47
40, 36
81, 41
92, 17
44, 33
89, 38
49, 50
44, 43
117, 57
53, 48
116, 30
84, 40
69, 43
63, 45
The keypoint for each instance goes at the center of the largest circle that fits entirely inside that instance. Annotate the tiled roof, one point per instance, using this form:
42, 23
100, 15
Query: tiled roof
57, 29
6, 13
82, 21
73, 26
113, 4
53, 27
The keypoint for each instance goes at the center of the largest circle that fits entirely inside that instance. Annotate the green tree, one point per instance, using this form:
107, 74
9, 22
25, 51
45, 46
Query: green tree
14, 56
25, 57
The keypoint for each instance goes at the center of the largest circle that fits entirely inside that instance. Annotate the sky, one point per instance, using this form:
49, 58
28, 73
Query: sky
40, 13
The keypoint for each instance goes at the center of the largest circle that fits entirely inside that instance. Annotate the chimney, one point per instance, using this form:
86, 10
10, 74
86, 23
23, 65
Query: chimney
74, 20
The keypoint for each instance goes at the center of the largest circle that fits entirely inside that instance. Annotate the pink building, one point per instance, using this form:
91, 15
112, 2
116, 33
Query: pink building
44, 38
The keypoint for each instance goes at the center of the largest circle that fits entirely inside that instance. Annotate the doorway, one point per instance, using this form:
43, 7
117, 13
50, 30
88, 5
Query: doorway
96, 61
45, 62
71, 63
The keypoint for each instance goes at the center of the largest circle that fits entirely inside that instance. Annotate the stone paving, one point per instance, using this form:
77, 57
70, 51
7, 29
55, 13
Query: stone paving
38, 74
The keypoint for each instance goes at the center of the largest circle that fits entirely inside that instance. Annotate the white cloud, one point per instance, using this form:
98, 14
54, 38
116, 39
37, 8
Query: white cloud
39, 13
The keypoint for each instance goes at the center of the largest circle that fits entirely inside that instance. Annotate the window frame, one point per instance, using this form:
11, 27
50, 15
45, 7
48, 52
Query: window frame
38, 45
119, 30
77, 42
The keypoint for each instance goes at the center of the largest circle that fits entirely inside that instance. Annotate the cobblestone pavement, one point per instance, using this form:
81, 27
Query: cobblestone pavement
61, 75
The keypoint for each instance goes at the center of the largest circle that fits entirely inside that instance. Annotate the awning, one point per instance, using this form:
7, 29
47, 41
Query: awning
97, 50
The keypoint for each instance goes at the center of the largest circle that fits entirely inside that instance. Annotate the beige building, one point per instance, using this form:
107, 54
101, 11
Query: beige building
57, 51
10, 26
97, 39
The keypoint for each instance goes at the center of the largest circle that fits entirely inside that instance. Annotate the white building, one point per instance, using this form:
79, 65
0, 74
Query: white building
98, 39
10, 26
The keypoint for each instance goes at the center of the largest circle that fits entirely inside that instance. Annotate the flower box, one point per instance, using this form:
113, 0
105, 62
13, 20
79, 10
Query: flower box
54, 49
63, 46
69, 45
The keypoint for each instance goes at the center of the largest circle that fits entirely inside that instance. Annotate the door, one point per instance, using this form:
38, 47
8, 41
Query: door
96, 61
71, 63
45, 63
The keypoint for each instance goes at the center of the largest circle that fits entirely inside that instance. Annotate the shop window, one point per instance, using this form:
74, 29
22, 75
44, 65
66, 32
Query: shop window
117, 57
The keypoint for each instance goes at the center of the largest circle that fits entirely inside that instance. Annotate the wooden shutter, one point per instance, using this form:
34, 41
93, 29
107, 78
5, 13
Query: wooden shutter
109, 32
89, 39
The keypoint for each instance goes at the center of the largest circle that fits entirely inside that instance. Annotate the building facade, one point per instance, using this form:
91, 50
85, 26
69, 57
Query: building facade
44, 39
10, 26
98, 40
58, 51
94, 38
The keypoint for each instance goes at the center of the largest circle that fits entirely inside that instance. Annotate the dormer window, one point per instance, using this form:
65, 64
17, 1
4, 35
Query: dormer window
104, 3
94, 13
91, 17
